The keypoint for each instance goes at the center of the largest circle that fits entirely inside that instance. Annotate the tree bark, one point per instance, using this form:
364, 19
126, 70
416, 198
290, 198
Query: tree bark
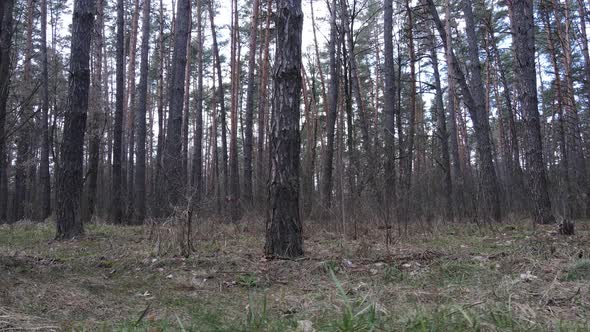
116, 204
197, 163
23, 141
332, 110
389, 105
160, 105
220, 100
129, 139
261, 167
45, 190
6, 14
172, 162
250, 103
523, 32
69, 179
186, 105
442, 135
140, 115
284, 229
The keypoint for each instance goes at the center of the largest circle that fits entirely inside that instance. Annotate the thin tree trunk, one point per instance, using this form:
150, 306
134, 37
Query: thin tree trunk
358, 95
197, 167
473, 97
389, 108
116, 204
160, 106
140, 114
332, 111
250, 103
220, 101
409, 157
129, 112
456, 163
23, 148
45, 190
94, 130
234, 192
261, 177
185, 107
442, 135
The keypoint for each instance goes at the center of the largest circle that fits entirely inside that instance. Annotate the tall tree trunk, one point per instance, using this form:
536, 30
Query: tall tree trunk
578, 165
584, 41
140, 114
332, 113
117, 178
261, 167
358, 95
565, 155
409, 157
452, 95
307, 177
582, 11
488, 178
473, 97
96, 111
284, 229
23, 148
160, 105
185, 106
220, 100
442, 135
197, 167
129, 139
507, 114
234, 192
69, 179
523, 32
389, 106
6, 13
172, 162
45, 190
250, 103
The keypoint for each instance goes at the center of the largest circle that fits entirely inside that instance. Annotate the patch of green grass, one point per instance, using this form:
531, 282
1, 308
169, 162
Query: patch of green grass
392, 274
461, 318
331, 265
356, 315
580, 270
248, 280
25, 235
459, 272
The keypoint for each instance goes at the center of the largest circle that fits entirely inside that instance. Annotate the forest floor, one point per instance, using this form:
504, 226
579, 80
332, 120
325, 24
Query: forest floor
506, 277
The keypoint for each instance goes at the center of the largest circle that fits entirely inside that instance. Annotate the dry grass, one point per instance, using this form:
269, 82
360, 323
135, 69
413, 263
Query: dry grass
440, 277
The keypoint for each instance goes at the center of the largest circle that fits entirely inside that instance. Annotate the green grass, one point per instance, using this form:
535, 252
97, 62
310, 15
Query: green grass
579, 270
457, 279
